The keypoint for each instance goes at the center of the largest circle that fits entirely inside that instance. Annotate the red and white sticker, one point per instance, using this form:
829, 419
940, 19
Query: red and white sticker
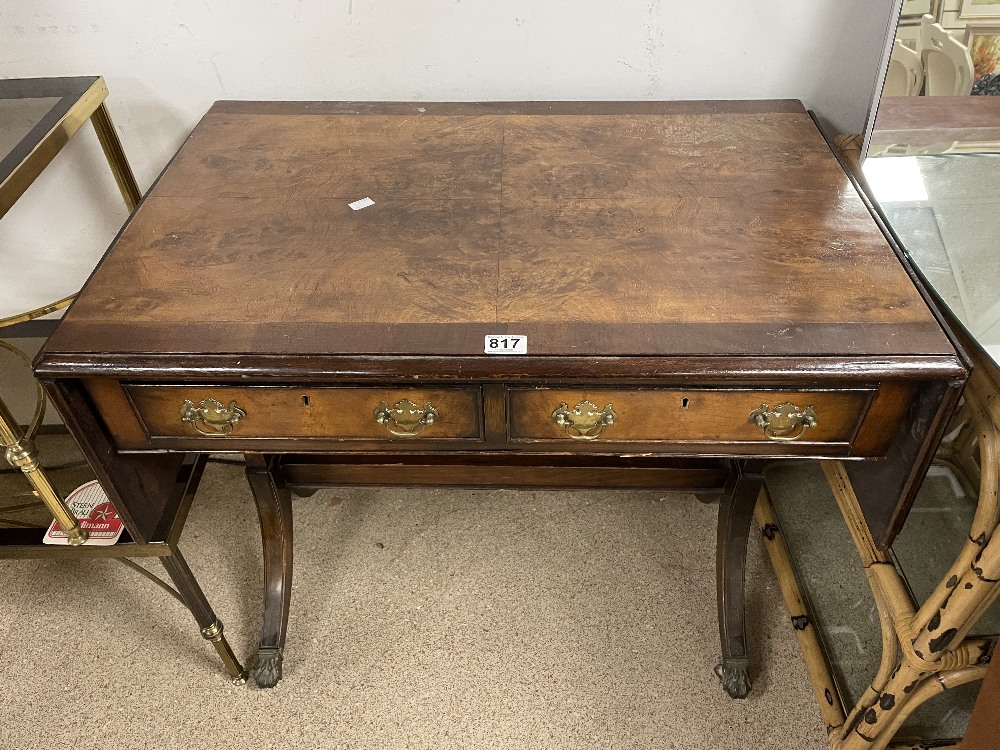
98, 517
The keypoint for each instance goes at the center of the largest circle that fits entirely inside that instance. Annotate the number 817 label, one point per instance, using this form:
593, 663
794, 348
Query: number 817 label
506, 344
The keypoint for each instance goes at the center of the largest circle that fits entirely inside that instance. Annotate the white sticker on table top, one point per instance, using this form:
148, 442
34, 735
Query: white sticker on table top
361, 203
506, 343
97, 516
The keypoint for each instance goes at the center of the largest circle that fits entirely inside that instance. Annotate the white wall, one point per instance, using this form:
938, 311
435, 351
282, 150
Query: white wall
166, 62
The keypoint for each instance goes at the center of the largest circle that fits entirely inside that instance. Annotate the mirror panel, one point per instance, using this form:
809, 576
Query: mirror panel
932, 159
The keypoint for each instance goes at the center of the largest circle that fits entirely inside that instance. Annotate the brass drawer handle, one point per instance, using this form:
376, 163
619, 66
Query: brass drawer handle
218, 418
584, 421
785, 422
405, 418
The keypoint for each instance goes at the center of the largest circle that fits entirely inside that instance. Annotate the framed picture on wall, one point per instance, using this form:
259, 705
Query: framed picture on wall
978, 9
913, 10
983, 41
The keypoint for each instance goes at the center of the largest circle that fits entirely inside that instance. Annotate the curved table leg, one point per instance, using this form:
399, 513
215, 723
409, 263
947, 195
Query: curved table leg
735, 511
274, 508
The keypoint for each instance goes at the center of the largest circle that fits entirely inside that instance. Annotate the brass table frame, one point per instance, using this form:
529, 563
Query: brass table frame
22, 543
81, 99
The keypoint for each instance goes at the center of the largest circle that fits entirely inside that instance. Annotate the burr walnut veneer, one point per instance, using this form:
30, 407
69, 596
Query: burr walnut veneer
701, 287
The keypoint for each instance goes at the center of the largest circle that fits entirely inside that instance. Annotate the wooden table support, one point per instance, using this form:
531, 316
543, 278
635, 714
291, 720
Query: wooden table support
272, 483
735, 513
274, 509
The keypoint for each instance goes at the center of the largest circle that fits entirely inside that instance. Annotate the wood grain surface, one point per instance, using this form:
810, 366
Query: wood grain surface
335, 413
631, 229
702, 416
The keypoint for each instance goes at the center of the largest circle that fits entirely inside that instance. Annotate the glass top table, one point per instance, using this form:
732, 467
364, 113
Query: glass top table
38, 116
934, 170
943, 209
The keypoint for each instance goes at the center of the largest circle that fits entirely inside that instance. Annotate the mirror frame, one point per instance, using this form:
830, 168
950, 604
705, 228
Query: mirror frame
883, 69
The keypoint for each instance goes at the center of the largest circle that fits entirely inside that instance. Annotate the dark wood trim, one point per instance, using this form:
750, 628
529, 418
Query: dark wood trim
274, 509
495, 411
748, 449
465, 340
736, 508
901, 472
548, 472
257, 368
430, 109
141, 487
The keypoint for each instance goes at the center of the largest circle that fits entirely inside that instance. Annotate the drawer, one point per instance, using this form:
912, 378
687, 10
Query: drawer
678, 416
261, 412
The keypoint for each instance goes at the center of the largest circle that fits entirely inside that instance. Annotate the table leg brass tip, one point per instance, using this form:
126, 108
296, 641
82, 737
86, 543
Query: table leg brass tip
77, 536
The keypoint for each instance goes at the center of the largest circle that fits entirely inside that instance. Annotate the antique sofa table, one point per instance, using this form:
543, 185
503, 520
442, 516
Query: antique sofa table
560, 295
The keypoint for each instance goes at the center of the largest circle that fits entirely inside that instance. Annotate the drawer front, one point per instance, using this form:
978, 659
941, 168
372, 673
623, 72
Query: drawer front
261, 412
678, 416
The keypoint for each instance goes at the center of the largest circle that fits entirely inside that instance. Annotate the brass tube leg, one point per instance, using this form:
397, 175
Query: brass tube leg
194, 598
213, 633
116, 156
21, 452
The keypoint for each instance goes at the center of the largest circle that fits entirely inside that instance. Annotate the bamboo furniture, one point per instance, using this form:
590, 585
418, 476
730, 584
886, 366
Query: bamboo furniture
700, 286
42, 114
926, 647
